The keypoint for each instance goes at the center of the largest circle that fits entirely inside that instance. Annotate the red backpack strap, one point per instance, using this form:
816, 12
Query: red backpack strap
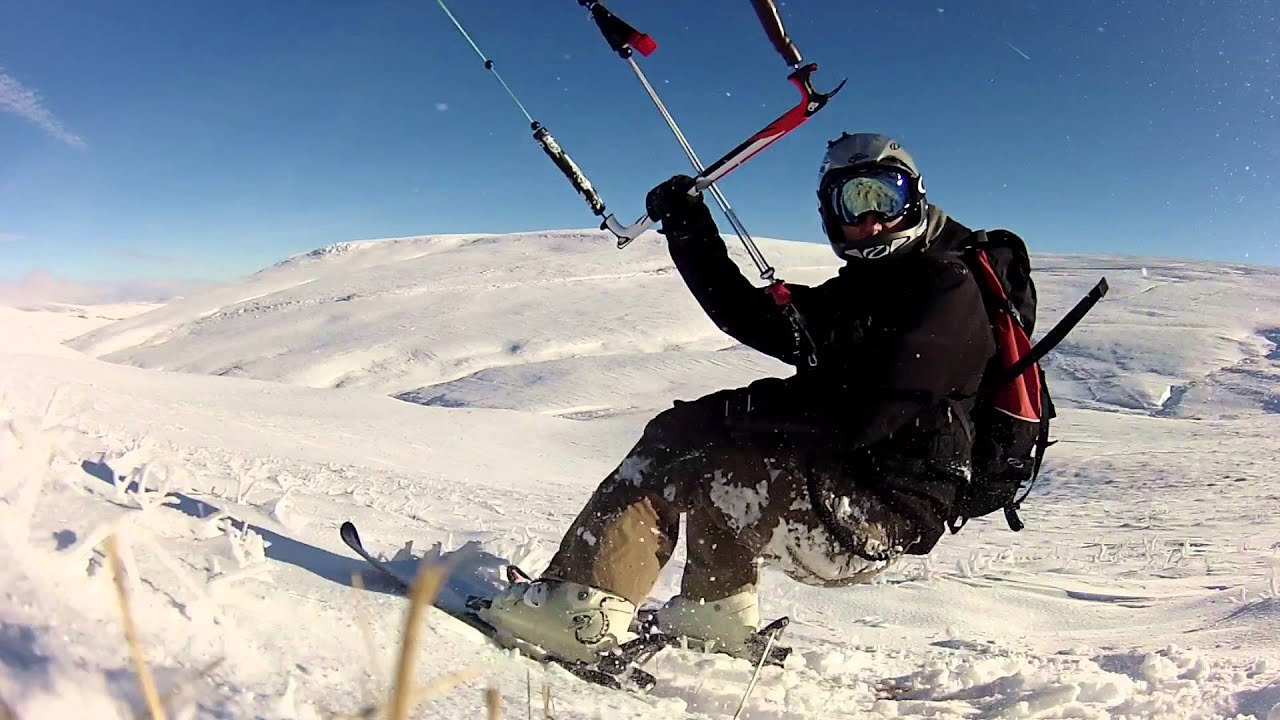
1020, 397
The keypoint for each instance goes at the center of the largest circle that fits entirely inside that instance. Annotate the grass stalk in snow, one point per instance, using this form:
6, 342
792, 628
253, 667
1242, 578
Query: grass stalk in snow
404, 696
437, 686
366, 628
425, 587
447, 682
149, 692
182, 694
548, 704
493, 701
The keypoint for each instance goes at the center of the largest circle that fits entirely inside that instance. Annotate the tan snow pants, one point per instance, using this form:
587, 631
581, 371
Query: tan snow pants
743, 504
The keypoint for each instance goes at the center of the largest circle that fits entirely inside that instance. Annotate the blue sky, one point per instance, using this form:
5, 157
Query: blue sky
156, 140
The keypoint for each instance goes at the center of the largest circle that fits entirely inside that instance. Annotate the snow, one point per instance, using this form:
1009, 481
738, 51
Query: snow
225, 436
741, 505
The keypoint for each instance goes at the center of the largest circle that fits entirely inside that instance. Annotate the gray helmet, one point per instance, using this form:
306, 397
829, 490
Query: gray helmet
854, 155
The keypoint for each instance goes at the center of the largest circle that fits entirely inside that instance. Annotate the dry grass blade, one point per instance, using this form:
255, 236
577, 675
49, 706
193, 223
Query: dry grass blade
149, 692
548, 707
425, 587
366, 628
493, 701
447, 682
436, 687
179, 695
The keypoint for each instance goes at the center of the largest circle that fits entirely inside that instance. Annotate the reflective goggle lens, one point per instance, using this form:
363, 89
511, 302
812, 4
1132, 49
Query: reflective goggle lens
884, 192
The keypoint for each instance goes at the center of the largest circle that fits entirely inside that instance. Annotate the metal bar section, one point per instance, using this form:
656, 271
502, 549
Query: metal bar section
568, 168
541, 134
761, 264
811, 102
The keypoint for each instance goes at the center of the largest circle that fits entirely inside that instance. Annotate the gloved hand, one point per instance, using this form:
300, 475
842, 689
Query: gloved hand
680, 213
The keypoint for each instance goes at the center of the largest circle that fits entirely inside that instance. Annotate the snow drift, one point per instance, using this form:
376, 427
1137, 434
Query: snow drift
224, 437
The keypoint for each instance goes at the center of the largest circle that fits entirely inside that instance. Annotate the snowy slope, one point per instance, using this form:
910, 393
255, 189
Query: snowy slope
1146, 585
513, 321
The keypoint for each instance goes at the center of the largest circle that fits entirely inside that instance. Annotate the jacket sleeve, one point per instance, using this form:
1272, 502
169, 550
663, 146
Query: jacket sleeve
934, 344
745, 312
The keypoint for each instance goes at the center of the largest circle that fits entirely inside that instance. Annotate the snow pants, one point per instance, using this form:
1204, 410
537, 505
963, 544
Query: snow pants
744, 503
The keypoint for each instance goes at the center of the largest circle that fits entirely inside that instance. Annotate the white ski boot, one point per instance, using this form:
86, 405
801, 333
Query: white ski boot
561, 619
727, 625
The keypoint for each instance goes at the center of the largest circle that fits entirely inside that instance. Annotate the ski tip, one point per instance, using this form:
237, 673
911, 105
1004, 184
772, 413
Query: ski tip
348, 532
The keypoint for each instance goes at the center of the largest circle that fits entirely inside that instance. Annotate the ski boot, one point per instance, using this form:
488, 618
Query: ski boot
563, 620
728, 625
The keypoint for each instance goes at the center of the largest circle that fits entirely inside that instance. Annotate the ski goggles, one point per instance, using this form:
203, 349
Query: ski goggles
886, 192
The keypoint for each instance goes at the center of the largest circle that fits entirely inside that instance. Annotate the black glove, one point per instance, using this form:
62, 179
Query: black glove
680, 213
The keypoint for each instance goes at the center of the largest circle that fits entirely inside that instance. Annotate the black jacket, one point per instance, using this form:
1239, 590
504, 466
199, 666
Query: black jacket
901, 342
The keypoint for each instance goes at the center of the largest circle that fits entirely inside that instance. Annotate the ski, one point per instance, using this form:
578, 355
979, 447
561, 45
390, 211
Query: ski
351, 537
616, 668
613, 670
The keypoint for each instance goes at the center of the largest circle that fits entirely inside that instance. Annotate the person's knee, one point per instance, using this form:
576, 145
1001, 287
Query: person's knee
668, 419
701, 418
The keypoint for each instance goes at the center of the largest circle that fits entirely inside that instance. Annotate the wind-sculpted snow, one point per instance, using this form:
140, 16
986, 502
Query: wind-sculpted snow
446, 319
1146, 585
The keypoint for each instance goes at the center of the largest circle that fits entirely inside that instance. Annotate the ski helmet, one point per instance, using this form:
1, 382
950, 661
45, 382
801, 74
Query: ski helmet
869, 173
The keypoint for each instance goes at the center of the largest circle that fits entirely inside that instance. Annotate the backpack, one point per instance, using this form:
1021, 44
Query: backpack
1009, 425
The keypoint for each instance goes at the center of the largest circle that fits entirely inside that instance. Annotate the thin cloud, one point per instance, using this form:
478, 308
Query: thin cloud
442, 106
27, 104
41, 286
9, 237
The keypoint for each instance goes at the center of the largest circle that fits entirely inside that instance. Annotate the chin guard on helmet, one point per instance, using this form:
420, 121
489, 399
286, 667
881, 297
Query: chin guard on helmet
868, 173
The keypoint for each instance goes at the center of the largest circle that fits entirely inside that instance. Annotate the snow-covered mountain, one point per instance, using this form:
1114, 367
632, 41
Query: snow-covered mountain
1147, 584
562, 323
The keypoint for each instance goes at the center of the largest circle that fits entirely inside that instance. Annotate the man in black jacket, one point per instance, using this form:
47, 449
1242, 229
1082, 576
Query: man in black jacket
831, 473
